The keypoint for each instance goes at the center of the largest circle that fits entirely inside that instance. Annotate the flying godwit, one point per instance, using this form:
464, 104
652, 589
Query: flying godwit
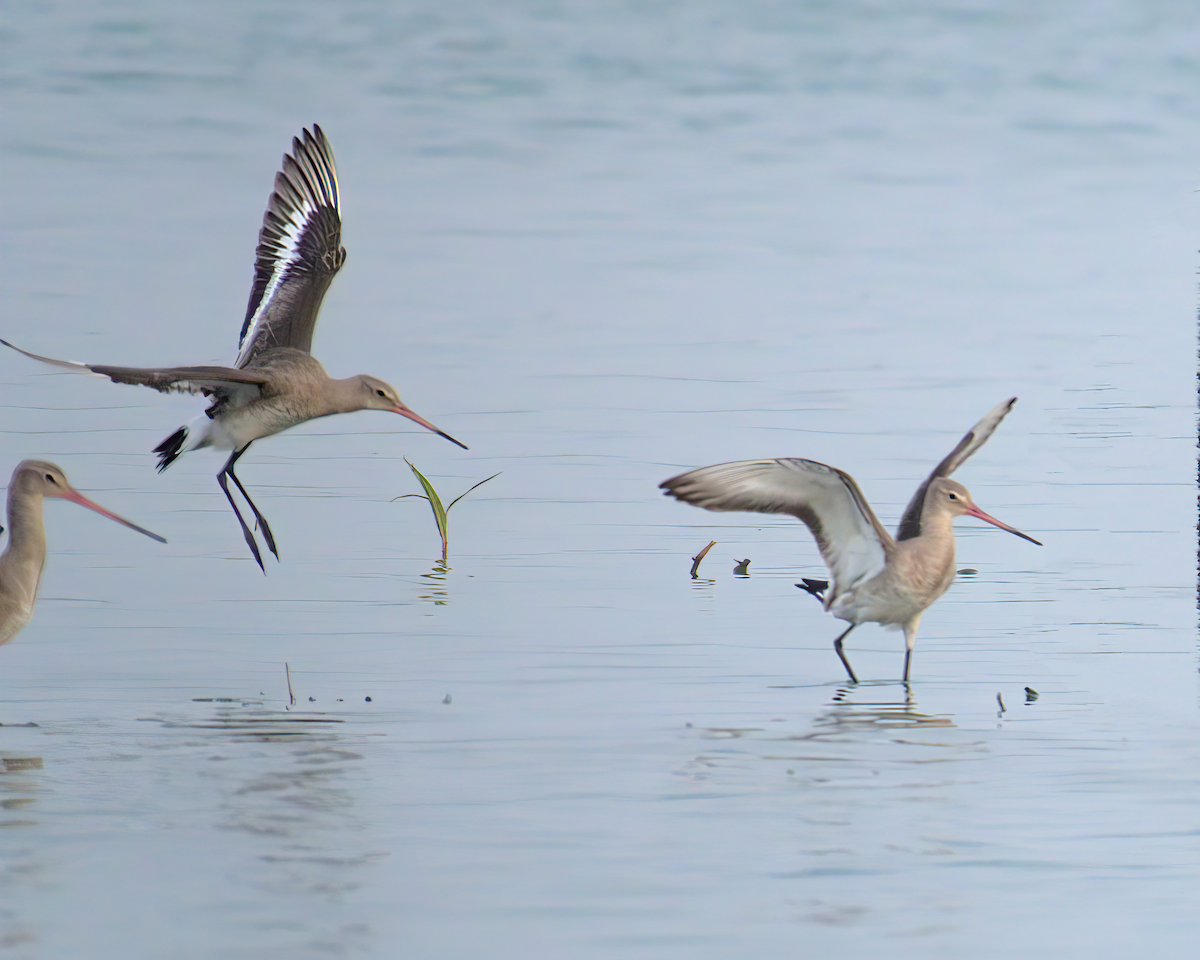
23, 559
275, 383
876, 579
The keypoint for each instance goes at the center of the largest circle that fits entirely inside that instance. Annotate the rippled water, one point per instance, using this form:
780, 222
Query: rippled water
601, 243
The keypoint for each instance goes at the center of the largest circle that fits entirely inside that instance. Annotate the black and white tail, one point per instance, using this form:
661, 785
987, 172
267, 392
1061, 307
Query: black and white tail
816, 587
171, 448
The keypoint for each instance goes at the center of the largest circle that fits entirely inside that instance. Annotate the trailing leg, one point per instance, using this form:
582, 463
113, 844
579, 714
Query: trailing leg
237, 513
837, 646
227, 470
262, 521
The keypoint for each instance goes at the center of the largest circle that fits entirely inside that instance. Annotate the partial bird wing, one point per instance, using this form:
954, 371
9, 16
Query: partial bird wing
852, 541
299, 251
236, 387
977, 436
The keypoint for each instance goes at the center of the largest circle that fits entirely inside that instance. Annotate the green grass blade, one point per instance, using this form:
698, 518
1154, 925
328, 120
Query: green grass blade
435, 503
479, 484
439, 512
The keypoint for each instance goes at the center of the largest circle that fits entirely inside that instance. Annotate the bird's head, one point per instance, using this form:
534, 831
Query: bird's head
39, 478
951, 498
377, 395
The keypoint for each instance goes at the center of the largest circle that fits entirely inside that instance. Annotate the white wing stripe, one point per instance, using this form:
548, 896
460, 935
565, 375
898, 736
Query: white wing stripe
289, 254
305, 191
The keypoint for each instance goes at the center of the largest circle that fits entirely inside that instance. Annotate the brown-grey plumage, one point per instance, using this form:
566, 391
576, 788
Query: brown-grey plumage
24, 557
976, 437
223, 384
875, 578
299, 251
275, 382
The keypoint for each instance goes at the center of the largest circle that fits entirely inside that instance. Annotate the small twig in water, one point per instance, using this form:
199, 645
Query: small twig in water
288, 673
700, 556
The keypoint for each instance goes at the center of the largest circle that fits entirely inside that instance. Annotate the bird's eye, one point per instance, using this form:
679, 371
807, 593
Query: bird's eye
953, 495
380, 393
50, 477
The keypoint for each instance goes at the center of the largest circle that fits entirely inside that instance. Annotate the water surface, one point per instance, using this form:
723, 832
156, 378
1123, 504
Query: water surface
601, 244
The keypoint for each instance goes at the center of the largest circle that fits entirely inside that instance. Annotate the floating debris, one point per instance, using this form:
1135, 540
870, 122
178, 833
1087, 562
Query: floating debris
700, 556
11, 764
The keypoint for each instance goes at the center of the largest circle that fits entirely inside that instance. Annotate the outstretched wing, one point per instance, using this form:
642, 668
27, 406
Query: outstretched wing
977, 436
852, 541
299, 251
236, 387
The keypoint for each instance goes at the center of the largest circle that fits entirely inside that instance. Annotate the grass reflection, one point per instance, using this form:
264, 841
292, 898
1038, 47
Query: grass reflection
436, 580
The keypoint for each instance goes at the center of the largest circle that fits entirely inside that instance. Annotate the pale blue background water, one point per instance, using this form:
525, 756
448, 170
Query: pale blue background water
601, 243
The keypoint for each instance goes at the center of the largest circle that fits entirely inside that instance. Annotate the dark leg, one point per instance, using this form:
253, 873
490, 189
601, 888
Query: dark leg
228, 469
910, 639
237, 513
262, 521
837, 646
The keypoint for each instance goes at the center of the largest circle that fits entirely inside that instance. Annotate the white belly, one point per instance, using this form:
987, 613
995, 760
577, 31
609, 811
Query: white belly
881, 600
236, 429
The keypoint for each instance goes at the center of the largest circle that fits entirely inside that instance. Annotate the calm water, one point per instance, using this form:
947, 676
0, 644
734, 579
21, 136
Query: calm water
601, 243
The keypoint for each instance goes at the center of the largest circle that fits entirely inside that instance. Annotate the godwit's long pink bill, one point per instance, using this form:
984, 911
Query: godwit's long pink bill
275, 383
875, 579
25, 555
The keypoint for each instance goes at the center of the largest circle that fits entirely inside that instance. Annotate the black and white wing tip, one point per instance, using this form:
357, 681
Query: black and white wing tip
299, 250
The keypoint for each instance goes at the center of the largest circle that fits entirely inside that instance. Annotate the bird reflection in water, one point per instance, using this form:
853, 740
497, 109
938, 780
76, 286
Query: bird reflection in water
856, 706
289, 785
